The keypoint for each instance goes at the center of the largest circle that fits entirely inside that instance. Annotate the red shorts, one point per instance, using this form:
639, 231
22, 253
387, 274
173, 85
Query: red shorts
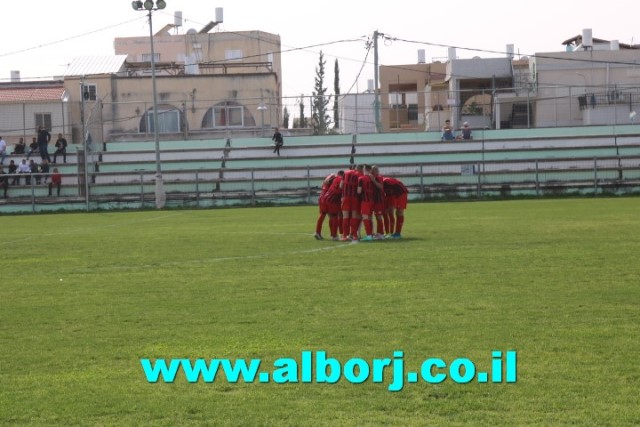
388, 202
366, 208
378, 207
398, 202
350, 204
322, 204
332, 208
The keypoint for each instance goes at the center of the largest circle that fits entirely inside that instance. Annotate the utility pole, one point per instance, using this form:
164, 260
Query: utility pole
376, 103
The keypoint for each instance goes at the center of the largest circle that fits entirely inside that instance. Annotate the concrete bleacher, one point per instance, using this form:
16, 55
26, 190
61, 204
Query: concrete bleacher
226, 171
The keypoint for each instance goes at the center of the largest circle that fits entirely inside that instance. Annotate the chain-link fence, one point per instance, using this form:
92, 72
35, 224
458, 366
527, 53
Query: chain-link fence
426, 181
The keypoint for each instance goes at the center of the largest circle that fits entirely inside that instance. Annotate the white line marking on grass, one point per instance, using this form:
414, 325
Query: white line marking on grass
78, 230
204, 261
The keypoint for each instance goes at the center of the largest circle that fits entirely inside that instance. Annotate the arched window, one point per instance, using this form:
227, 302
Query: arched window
228, 114
170, 120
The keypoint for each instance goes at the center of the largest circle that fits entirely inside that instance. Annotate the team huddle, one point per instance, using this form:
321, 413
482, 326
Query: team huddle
353, 198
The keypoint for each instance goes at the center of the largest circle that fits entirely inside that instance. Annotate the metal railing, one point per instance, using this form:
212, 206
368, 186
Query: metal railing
596, 176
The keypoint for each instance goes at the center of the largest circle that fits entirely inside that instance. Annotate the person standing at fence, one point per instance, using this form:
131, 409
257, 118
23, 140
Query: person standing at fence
4, 181
278, 141
43, 143
61, 148
3, 150
56, 180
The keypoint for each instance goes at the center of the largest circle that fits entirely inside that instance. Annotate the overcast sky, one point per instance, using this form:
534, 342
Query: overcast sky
39, 37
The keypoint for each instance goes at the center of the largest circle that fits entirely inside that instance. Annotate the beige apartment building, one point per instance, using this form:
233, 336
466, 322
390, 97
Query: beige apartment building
404, 104
207, 83
591, 82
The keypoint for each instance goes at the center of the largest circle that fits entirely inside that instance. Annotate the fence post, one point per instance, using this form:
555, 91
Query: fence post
33, 194
595, 176
537, 180
197, 190
253, 188
421, 181
479, 188
308, 184
141, 190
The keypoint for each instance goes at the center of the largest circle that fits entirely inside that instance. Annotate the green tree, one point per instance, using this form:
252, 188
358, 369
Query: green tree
336, 94
302, 122
321, 120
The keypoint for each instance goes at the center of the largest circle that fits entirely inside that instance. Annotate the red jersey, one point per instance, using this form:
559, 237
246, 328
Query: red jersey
393, 187
56, 178
333, 193
378, 196
350, 183
327, 183
367, 188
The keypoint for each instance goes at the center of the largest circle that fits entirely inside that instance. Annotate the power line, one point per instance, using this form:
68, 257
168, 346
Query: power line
15, 52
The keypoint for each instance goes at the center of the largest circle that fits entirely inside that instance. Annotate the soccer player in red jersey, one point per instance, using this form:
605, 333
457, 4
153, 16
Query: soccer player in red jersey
321, 205
396, 194
382, 219
366, 191
330, 200
350, 203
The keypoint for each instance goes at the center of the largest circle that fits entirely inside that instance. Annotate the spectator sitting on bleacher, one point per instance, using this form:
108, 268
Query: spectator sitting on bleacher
13, 170
4, 181
33, 168
23, 167
20, 147
33, 147
447, 132
466, 131
56, 179
44, 169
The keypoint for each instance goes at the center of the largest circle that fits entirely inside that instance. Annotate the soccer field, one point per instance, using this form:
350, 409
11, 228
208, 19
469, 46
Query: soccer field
85, 297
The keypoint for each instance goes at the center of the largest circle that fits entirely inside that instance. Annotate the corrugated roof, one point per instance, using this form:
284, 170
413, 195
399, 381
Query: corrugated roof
32, 94
88, 65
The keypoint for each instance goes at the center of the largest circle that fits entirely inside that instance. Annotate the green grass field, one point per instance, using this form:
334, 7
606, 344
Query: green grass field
83, 297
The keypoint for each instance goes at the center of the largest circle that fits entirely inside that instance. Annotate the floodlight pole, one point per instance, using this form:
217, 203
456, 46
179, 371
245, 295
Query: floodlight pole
148, 5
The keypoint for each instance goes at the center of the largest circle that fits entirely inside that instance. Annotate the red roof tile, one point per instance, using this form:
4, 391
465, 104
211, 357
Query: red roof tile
10, 95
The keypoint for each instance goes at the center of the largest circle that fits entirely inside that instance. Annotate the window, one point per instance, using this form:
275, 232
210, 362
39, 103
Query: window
402, 99
227, 115
146, 57
168, 121
90, 92
231, 54
44, 120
